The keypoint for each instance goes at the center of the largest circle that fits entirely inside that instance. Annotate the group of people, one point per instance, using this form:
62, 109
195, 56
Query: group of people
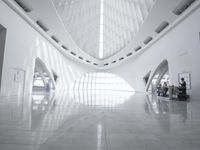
162, 89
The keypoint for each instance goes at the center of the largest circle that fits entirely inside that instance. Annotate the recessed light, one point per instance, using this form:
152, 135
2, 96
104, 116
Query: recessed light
80, 57
137, 48
147, 40
73, 53
129, 54
121, 58
64, 47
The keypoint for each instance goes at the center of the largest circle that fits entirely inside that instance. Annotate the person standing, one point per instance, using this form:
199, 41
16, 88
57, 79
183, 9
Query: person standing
182, 88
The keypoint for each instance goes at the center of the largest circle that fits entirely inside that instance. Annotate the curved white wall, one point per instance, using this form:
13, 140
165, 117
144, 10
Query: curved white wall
180, 46
23, 46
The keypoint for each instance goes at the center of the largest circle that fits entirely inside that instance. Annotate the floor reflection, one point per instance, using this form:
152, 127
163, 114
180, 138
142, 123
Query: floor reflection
83, 120
101, 98
41, 104
167, 111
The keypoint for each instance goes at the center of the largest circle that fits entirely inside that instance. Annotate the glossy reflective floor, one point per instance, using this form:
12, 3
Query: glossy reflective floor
69, 121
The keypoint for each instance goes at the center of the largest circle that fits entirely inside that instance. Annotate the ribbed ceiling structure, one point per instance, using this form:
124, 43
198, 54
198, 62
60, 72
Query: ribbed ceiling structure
102, 28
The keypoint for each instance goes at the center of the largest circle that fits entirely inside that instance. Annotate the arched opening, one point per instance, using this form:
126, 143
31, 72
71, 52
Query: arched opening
101, 89
159, 77
43, 80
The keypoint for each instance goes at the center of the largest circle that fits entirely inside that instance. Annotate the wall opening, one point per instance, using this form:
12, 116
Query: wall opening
160, 76
101, 89
43, 80
2, 49
25, 5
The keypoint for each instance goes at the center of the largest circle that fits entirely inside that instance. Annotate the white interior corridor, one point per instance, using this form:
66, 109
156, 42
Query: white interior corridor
99, 74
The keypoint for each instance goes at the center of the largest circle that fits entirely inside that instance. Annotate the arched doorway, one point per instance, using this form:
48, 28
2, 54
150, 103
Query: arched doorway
160, 76
43, 79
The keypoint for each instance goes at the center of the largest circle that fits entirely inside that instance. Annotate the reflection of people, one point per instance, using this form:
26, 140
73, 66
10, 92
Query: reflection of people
183, 112
165, 89
182, 88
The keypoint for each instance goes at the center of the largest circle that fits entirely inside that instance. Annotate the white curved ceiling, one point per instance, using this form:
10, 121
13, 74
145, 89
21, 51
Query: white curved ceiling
102, 28
129, 26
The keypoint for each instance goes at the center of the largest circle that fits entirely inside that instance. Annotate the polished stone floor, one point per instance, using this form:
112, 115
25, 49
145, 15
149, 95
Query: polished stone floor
80, 120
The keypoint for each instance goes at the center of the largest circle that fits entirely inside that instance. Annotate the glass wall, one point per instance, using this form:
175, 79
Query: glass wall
102, 81
101, 89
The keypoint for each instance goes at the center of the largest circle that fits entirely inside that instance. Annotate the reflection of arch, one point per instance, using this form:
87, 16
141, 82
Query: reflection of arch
160, 71
41, 104
43, 72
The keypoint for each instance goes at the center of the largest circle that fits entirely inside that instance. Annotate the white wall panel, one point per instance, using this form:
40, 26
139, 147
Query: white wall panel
23, 45
180, 46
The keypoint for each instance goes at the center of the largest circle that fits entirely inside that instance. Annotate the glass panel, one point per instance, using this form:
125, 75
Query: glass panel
102, 89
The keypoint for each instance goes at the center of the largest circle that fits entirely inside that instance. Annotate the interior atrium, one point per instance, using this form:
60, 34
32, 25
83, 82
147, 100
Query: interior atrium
99, 74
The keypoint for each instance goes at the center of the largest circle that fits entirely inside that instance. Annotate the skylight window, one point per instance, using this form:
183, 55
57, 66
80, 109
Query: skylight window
102, 28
